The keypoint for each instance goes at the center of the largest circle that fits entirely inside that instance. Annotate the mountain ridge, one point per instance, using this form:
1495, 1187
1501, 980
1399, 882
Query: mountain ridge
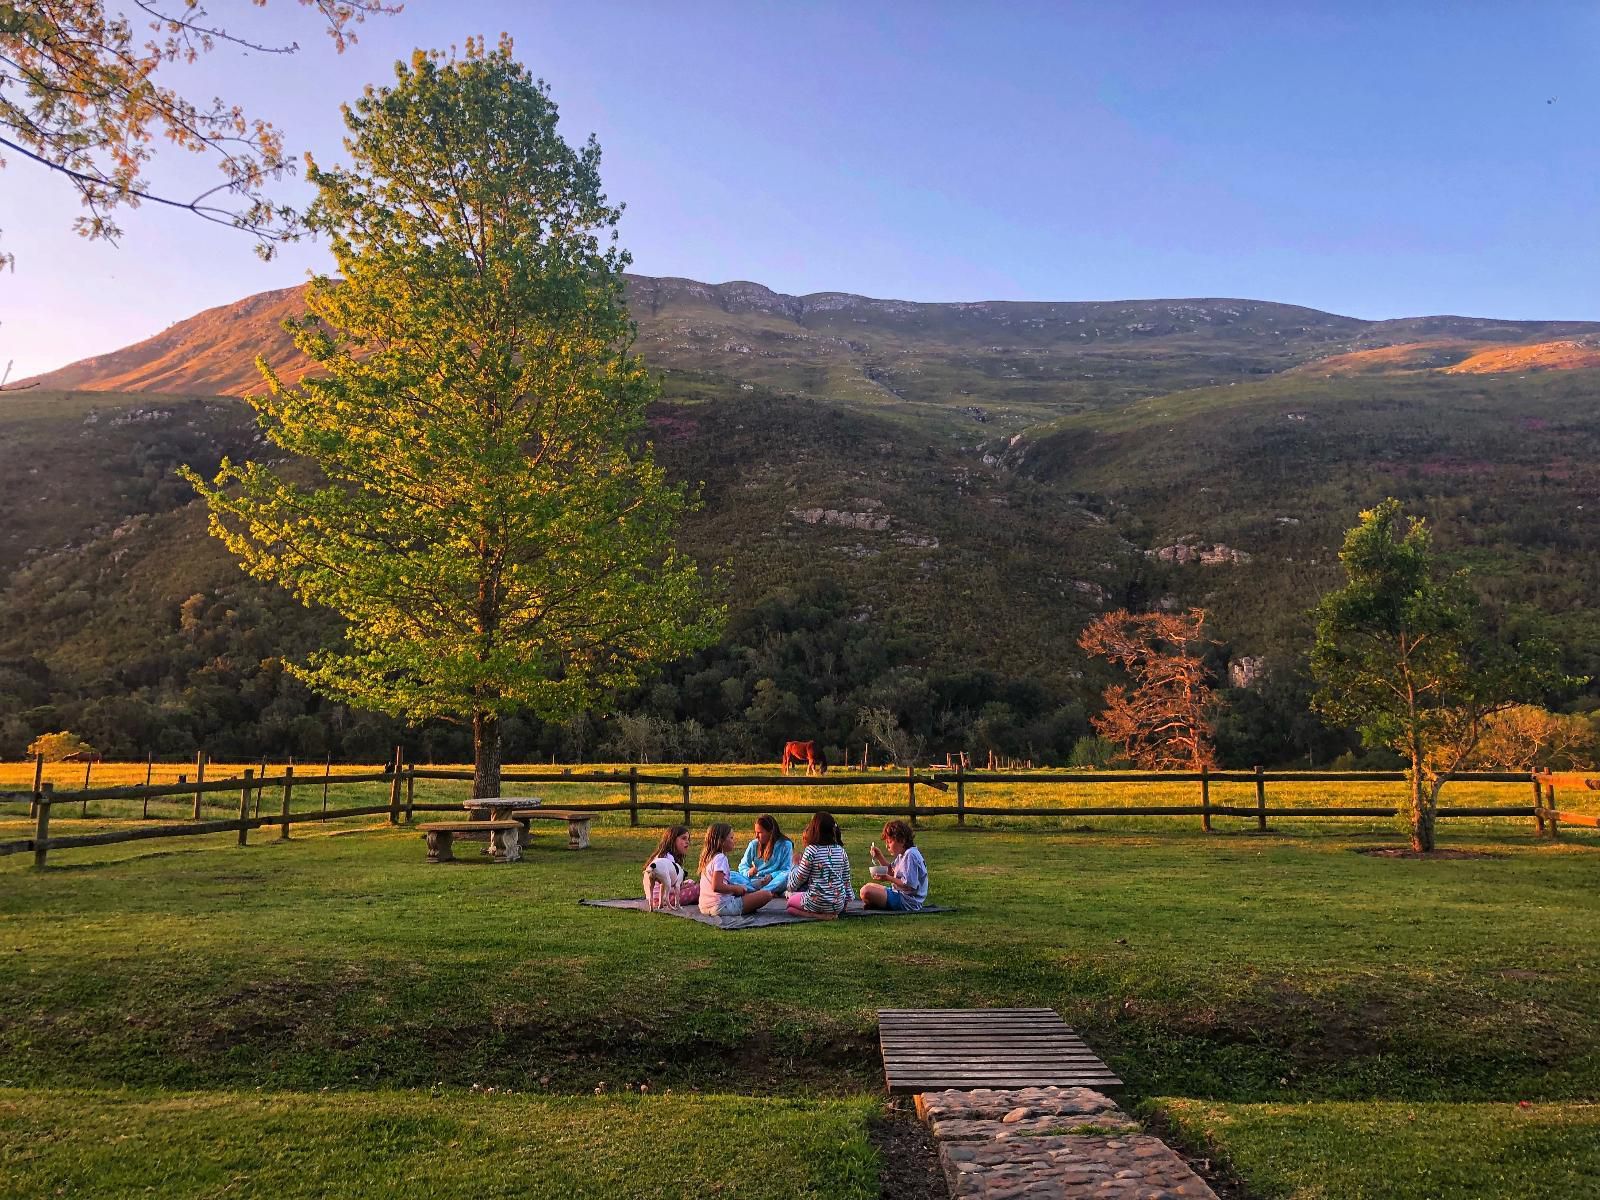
1030, 358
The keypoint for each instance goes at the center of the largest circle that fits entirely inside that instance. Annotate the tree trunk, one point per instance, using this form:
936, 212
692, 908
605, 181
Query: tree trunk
485, 755
1424, 809
1429, 815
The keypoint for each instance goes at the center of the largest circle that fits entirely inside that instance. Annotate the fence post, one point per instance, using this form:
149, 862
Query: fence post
288, 787
88, 766
199, 778
149, 769
411, 791
1261, 799
41, 824
394, 785
327, 774
38, 780
1538, 805
244, 807
261, 783
911, 792
1205, 799
1550, 813
633, 795
961, 791
686, 820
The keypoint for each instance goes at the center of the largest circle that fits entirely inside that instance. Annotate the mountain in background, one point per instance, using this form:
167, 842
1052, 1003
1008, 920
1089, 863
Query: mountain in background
1011, 364
919, 505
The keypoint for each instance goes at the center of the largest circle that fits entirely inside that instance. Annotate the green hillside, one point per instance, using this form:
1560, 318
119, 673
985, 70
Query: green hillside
1507, 468
912, 506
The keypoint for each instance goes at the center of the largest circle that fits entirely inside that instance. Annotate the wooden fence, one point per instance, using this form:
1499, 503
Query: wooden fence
1545, 812
950, 786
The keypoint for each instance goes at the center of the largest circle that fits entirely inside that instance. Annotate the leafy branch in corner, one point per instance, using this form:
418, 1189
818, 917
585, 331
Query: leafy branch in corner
81, 95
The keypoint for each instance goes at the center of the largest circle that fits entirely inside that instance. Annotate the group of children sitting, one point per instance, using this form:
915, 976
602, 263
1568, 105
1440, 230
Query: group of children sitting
818, 886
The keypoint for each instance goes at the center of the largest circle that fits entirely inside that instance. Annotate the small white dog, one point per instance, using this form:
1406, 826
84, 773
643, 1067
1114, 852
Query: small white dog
666, 872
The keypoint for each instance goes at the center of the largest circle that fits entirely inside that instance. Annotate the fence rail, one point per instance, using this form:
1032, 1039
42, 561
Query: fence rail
402, 803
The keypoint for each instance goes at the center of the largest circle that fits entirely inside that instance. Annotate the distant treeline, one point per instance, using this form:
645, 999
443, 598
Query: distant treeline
802, 663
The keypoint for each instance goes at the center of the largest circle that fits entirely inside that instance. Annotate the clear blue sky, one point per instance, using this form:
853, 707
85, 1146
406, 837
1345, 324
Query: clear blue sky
1372, 159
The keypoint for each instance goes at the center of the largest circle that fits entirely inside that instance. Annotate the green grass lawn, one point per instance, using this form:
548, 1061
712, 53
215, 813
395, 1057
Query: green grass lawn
1271, 992
404, 1144
1383, 1150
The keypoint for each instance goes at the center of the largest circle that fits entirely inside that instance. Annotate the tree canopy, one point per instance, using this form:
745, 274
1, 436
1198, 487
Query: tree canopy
488, 517
58, 747
82, 93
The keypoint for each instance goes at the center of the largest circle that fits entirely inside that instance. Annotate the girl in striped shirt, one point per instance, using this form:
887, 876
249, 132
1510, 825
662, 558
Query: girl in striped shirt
819, 886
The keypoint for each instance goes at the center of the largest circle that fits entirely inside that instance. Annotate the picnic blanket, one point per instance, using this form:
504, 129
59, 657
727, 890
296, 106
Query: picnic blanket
773, 912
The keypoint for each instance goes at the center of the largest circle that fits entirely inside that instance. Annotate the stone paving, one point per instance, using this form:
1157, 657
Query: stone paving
1051, 1144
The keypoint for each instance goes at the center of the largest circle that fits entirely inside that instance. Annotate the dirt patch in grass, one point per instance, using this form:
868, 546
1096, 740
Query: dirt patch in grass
908, 1157
1408, 852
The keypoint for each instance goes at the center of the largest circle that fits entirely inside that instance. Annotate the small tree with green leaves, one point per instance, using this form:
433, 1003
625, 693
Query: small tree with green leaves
58, 747
485, 514
1407, 656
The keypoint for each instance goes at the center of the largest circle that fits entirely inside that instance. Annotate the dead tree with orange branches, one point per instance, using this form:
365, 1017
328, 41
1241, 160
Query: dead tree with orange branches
1166, 720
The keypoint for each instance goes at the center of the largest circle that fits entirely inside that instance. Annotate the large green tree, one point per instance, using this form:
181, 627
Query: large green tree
1406, 654
485, 512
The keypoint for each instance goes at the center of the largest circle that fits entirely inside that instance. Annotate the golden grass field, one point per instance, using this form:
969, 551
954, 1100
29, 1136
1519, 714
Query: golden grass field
1052, 789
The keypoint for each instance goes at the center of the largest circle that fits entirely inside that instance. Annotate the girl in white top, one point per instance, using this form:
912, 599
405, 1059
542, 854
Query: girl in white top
720, 896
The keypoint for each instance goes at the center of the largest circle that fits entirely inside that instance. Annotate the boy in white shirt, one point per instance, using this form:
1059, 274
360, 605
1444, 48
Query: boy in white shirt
905, 886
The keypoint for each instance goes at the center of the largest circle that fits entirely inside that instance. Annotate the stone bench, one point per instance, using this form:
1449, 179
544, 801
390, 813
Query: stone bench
505, 838
577, 824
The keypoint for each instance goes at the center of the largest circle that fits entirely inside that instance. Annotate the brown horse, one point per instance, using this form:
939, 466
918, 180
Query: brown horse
816, 762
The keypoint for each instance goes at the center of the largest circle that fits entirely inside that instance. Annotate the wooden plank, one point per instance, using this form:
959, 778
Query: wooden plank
934, 1046
985, 1054
910, 1087
990, 1063
1004, 1079
983, 1037
986, 1063
1017, 1022
1019, 1027
933, 1049
924, 1032
908, 1046
942, 1032
974, 1044
968, 1048
947, 1015
1580, 781
1100, 1083
940, 1081
935, 1080
1587, 820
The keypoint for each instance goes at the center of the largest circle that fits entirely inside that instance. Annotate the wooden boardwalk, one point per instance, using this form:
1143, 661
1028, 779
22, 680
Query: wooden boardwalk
934, 1049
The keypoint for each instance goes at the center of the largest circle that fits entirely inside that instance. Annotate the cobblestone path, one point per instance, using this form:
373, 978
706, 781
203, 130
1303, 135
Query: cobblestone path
1051, 1143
